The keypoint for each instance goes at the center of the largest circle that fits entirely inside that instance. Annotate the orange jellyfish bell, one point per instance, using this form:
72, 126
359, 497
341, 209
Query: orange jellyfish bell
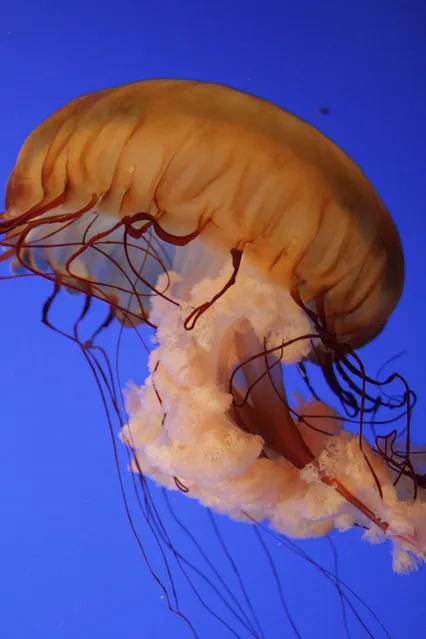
248, 240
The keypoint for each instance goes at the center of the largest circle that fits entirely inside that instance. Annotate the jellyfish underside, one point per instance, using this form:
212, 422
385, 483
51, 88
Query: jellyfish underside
214, 414
213, 417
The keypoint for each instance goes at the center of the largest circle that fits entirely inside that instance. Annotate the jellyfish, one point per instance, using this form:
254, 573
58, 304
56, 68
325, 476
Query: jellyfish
249, 242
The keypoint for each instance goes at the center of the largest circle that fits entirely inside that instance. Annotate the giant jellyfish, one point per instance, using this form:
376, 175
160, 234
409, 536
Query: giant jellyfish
249, 243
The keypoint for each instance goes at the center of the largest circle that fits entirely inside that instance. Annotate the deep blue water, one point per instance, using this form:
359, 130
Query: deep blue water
69, 565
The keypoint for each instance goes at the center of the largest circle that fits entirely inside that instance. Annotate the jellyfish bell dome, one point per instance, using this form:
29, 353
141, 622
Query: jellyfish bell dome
249, 241
235, 169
